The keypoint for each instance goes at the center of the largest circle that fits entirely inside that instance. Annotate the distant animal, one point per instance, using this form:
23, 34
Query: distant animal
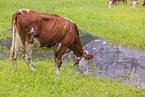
46, 31
124, 1
143, 3
133, 3
113, 2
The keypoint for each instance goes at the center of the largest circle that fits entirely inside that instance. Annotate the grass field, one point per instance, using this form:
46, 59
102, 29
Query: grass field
119, 25
45, 83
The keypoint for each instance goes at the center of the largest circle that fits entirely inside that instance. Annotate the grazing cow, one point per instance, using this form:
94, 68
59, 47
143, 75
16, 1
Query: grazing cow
112, 2
124, 1
46, 31
133, 3
143, 3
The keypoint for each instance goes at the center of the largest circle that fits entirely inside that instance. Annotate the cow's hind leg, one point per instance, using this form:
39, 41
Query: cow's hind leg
14, 57
28, 56
14, 60
14, 50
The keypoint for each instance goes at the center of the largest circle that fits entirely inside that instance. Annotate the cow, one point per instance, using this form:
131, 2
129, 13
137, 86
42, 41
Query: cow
112, 2
32, 29
124, 1
133, 3
143, 3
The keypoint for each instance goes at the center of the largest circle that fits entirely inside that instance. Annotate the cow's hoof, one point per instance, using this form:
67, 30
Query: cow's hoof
33, 69
57, 72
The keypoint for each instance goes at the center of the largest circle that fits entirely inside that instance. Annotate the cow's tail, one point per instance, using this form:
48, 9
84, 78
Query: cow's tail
14, 20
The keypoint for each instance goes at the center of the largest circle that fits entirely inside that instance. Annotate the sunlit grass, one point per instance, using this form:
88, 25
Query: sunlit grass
45, 82
119, 25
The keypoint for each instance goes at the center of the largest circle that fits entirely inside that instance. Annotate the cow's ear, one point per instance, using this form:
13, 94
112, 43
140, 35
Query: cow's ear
89, 56
86, 52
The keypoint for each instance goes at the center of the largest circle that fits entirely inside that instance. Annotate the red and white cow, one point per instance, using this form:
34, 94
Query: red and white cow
124, 1
46, 31
112, 2
143, 3
133, 3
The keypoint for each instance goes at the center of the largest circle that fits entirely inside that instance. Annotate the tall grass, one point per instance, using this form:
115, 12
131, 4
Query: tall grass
45, 83
120, 25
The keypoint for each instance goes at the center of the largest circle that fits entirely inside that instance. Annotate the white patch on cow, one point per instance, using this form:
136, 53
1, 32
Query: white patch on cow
13, 39
110, 4
78, 58
116, 2
28, 55
134, 3
32, 30
86, 52
16, 43
57, 71
54, 48
69, 19
83, 66
59, 45
18, 39
70, 29
36, 43
28, 47
14, 22
21, 10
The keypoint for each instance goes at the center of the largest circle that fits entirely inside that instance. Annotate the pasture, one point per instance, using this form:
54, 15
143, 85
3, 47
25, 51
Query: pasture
45, 83
119, 25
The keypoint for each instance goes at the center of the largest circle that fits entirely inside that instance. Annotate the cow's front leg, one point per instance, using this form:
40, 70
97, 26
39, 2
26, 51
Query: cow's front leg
55, 59
58, 59
28, 56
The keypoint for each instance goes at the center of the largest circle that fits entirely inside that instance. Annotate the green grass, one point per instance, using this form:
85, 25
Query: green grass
119, 25
45, 83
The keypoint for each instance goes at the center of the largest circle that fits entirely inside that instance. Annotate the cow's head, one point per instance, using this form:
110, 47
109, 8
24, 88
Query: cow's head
82, 66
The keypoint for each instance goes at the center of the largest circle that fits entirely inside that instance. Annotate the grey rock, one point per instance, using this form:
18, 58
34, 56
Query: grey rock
114, 64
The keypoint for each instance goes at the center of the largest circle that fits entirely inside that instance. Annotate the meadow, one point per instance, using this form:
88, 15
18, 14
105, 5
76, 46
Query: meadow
119, 25
45, 83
